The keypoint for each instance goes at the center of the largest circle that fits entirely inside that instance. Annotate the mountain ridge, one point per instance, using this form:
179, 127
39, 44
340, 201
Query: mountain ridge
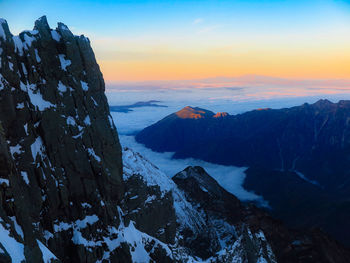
70, 193
310, 141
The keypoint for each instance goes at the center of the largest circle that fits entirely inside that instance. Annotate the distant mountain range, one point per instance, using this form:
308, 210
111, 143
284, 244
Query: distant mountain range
139, 104
302, 150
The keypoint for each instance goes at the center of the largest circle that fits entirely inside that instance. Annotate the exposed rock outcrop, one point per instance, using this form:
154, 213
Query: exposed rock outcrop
191, 231
60, 154
254, 235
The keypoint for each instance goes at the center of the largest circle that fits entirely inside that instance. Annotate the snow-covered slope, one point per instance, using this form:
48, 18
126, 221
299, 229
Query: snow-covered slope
222, 242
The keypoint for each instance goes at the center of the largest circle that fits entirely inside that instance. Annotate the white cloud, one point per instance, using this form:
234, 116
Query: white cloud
198, 21
229, 177
229, 98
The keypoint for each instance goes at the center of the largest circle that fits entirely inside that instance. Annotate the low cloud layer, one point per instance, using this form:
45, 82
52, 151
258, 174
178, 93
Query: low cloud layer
233, 101
229, 177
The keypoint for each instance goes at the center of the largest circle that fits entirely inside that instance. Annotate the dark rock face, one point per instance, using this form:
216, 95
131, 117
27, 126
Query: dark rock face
191, 232
287, 245
60, 155
147, 205
308, 141
300, 203
313, 139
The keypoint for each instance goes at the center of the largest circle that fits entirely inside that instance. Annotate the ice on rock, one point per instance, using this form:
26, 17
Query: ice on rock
15, 150
61, 87
87, 120
14, 248
4, 181
62, 226
18, 45
37, 148
88, 220
25, 177
138, 241
93, 154
55, 35
48, 256
32, 32
38, 59
70, 121
94, 101
18, 228
63, 26
64, 62
2, 32
76, 226
86, 205
84, 86
48, 235
111, 121
135, 163
24, 68
21, 45
35, 97
28, 40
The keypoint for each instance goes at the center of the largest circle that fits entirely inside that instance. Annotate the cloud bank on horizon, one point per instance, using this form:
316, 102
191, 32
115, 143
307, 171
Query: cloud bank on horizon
222, 94
229, 99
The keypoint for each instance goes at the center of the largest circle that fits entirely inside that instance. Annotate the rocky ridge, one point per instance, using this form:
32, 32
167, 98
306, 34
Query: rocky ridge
61, 145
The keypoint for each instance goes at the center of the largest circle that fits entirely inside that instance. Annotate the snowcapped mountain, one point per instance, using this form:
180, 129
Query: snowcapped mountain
190, 233
69, 193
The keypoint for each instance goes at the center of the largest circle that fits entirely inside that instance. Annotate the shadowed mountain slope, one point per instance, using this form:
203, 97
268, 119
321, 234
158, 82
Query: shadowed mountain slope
308, 144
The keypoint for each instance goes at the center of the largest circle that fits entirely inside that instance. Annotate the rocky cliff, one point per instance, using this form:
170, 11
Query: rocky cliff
60, 155
254, 235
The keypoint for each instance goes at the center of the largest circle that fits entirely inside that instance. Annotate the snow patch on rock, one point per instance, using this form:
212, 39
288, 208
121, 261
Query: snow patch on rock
25, 177
2, 31
14, 248
55, 35
35, 97
135, 163
64, 62
61, 87
93, 154
84, 86
48, 256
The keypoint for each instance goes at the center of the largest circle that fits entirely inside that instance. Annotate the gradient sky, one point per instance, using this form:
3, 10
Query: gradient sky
173, 40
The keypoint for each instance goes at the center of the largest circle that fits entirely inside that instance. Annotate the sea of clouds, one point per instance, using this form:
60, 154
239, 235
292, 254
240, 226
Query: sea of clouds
231, 99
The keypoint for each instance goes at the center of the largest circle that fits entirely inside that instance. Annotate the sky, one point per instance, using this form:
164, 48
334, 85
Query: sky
137, 41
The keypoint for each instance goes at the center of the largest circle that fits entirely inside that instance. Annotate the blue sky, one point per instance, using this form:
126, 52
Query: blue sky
106, 17
236, 37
